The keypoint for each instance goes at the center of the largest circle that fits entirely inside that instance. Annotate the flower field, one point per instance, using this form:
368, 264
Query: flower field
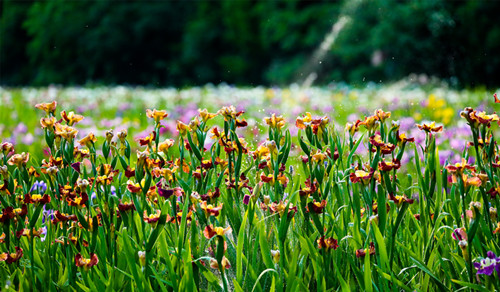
219, 188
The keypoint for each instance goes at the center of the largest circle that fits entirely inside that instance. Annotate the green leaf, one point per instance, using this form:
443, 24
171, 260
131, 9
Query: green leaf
393, 279
261, 275
424, 269
475, 225
239, 249
368, 274
158, 229
351, 153
381, 248
194, 148
34, 217
470, 285
130, 258
304, 147
264, 247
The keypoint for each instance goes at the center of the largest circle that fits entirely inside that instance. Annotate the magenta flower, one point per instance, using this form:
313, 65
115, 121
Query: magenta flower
459, 234
246, 199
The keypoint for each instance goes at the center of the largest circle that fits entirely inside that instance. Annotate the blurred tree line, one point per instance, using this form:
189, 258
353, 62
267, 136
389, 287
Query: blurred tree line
246, 42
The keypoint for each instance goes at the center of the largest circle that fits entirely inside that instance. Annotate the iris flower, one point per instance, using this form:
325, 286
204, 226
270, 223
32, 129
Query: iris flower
182, 128
304, 121
39, 186
390, 165
229, 113
327, 243
225, 263
370, 123
211, 195
361, 253
157, 115
153, 218
381, 115
71, 118
165, 145
47, 107
205, 115
10, 258
19, 159
36, 199
430, 127
209, 209
275, 122
361, 176
124, 207
88, 140
48, 123
26, 232
352, 128
475, 118
211, 231
86, 263
317, 207
66, 132
459, 234
487, 265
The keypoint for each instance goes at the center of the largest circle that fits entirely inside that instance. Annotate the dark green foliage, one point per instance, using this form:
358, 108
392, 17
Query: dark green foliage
185, 43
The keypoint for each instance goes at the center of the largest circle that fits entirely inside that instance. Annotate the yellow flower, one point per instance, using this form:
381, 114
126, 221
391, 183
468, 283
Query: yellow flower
276, 255
417, 116
352, 128
261, 152
447, 114
282, 179
19, 159
370, 123
156, 114
167, 173
434, 102
361, 176
275, 122
47, 107
304, 121
430, 127
205, 115
66, 132
109, 135
271, 145
165, 145
122, 135
71, 118
88, 140
182, 128
194, 124
319, 157
471, 181
228, 112
211, 231
382, 116
48, 122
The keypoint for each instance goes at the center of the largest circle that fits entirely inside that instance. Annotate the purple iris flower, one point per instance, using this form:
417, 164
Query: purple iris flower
44, 233
39, 186
487, 265
46, 213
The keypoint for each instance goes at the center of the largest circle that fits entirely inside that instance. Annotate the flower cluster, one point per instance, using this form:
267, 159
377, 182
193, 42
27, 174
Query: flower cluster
195, 208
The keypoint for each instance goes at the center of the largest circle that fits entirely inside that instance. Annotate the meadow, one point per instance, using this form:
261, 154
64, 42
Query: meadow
218, 188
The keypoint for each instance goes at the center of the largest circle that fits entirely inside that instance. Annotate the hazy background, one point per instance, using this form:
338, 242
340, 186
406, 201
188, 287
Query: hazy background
188, 43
